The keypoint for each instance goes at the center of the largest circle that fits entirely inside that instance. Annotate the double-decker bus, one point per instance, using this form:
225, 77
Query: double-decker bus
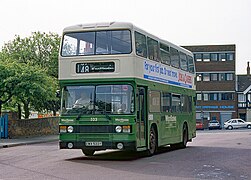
123, 88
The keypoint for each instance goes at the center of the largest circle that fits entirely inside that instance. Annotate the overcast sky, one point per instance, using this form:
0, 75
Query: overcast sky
183, 22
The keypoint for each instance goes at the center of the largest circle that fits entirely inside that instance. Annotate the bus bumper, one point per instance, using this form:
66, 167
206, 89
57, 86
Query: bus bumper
127, 145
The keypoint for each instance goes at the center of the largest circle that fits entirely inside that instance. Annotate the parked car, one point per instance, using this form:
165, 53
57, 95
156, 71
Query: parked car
199, 125
214, 124
236, 123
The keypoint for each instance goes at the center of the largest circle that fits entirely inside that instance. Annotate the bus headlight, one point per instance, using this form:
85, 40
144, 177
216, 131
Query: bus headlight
70, 129
118, 129
124, 129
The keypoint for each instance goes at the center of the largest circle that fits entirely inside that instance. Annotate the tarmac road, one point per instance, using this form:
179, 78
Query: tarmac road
216, 154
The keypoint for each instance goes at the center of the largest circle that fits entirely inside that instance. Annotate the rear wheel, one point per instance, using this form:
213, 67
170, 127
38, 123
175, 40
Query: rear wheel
182, 144
88, 152
152, 142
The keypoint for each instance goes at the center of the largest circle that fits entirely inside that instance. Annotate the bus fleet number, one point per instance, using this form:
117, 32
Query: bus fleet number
94, 119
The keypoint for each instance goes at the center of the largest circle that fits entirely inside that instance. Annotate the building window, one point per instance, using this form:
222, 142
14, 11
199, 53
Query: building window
206, 77
198, 116
214, 77
199, 77
213, 96
241, 98
229, 77
198, 97
205, 96
206, 57
230, 56
222, 77
226, 96
214, 57
222, 57
198, 57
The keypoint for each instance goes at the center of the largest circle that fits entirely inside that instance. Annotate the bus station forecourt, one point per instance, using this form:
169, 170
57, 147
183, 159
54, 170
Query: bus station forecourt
6, 143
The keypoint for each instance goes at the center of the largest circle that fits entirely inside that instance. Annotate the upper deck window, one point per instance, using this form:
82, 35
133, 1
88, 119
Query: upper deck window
183, 61
153, 49
190, 64
96, 42
140, 43
165, 54
175, 57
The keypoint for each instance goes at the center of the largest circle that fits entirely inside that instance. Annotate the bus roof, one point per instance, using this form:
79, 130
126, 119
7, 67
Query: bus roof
119, 25
102, 25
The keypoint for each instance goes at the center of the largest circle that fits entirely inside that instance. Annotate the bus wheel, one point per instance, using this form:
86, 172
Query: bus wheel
182, 144
88, 152
185, 137
152, 142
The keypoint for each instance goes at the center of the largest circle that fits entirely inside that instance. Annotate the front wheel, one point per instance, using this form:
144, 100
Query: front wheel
88, 152
249, 126
230, 127
152, 142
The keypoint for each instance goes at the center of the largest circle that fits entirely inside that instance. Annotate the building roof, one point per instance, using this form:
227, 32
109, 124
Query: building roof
211, 48
244, 82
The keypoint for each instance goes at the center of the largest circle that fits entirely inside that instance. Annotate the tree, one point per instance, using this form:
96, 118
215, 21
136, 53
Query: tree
7, 83
40, 49
36, 61
25, 84
35, 89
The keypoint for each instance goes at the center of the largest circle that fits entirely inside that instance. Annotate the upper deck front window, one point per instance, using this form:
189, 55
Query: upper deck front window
96, 42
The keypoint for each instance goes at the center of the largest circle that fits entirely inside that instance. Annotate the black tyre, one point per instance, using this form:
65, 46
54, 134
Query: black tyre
152, 142
88, 152
249, 126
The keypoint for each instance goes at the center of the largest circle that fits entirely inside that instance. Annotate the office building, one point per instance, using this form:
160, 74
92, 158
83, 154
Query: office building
215, 82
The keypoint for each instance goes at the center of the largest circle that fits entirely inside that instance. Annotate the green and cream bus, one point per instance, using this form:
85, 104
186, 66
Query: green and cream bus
123, 88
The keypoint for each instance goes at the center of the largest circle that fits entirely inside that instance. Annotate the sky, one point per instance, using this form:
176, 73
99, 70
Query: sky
182, 22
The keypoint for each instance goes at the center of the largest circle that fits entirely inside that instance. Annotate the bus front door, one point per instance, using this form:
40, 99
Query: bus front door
141, 117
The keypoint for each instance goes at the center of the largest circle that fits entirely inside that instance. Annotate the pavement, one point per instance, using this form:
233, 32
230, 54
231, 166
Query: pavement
6, 143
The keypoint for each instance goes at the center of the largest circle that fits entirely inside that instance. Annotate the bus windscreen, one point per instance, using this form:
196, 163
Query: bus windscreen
96, 43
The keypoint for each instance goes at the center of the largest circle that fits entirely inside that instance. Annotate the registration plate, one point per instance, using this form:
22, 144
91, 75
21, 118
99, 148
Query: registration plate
93, 143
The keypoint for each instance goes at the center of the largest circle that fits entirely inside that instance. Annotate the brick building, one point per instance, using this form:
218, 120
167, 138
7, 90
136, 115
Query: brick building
215, 82
244, 95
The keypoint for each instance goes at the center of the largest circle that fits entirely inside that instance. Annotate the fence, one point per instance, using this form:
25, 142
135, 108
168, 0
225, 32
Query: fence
4, 126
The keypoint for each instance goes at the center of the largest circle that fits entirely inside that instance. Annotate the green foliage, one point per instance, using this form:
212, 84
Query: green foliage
28, 72
7, 82
40, 49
